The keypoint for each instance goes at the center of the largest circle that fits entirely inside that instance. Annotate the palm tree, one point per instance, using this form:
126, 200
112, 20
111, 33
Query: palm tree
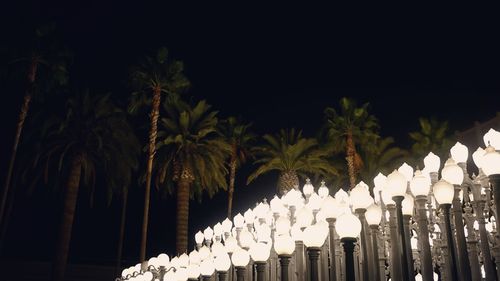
433, 136
293, 156
191, 157
49, 60
90, 138
383, 157
152, 78
238, 135
348, 128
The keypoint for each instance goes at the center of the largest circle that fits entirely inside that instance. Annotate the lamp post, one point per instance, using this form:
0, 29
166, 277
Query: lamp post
420, 187
491, 167
222, 263
407, 210
395, 264
373, 218
193, 272
260, 253
240, 259
396, 183
314, 237
207, 269
348, 228
284, 247
444, 192
331, 209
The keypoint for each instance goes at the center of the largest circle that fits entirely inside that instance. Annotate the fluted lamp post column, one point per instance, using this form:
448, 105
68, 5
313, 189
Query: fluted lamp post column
397, 184
420, 187
260, 254
348, 228
240, 259
373, 217
444, 192
314, 238
284, 246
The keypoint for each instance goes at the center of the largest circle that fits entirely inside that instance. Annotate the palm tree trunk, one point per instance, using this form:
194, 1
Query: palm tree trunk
232, 176
351, 151
183, 186
19, 128
287, 181
155, 114
121, 236
70, 199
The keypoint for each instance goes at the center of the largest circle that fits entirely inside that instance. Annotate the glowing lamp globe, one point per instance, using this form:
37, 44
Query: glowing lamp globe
407, 205
261, 210
125, 272
239, 220
284, 245
240, 258
387, 197
204, 253
222, 262
304, 217
154, 262
282, 225
181, 274
407, 171
163, 260
459, 153
348, 226
443, 192
373, 214
174, 262
380, 181
330, 208
259, 252
314, 202
420, 185
230, 244
492, 137
194, 257
276, 204
218, 229
183, 260
477, 156
315, 236
208, 233
170, 276
193, 271
294, 198
432, 162
308, 188
297, 233
249, 216
491, 162
452, 173
396, 184
207, 267
323, 191
227, 224
264, 233
246, 239
218, 249
360, 196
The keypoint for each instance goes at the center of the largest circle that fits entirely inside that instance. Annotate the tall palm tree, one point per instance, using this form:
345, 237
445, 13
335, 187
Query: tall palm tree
238, 135
90, 138
349, 128
44, 58
383, 157
293, 156
152, 78
191, 157
433, 136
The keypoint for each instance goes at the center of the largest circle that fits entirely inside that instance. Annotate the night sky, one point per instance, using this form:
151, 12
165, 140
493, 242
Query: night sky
277, 66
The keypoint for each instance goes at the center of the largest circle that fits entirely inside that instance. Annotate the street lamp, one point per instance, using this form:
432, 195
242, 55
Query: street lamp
222, 263
314, 237
260, 253
240, 259
348, 228
492, 137
193, 272
284, 247
373, 217
207, 269
407, 210
444, 192
332, 210
397, 185
361, 199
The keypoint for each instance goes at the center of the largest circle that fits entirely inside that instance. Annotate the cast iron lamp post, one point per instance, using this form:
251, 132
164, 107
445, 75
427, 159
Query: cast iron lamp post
444, 192
284, 247
260, 253
240, 259
314, 237
361, 199
207, 269
222, 263
331, 210
373, 217
348, 228
407, 210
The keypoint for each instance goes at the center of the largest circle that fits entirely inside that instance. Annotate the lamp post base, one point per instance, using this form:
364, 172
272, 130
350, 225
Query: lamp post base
222, 275
240, 273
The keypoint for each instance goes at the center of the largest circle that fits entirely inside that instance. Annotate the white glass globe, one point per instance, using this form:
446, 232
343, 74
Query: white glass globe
169, 276
315, 236
230, 244
276, 204
443, 192
199, 237
432, 162
259, 252
491, 162
387, 197
239, 220
360, 196
222, 262
181, 274
314, 202
330, 208
380, 181
284, 244
452, 173
249, 216
407, 205
297, 233
282, 225
154, 262
304, 217
174, 262
323, 191
218, 229
341, 195
294, 198
373, 214
227, 224
163, 259
348, 226
207, 267
193, 271
492, 137
147, 276
308, 188
459, 153
204, 252
407, 171
194, 257
477, 156
396, 184
208, 233
420, 185
240, 258
218, 249
183, 260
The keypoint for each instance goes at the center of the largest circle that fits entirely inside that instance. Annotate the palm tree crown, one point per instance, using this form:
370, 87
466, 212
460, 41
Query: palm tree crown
433, 136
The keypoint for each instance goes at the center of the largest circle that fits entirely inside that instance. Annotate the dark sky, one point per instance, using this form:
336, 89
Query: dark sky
278, 66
